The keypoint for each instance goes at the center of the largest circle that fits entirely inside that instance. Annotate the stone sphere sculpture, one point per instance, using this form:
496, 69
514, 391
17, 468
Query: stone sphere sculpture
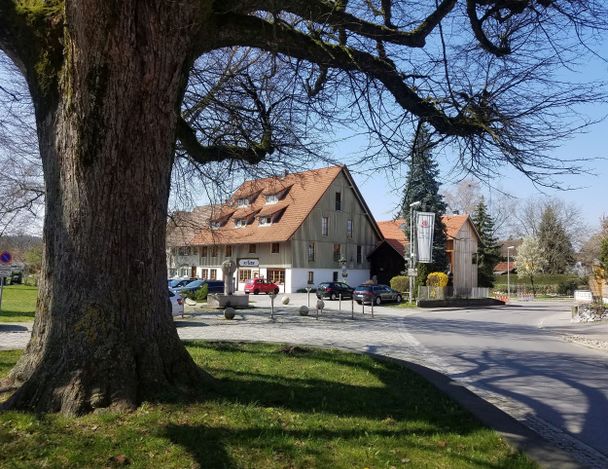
229, 312
285, 300
303, 310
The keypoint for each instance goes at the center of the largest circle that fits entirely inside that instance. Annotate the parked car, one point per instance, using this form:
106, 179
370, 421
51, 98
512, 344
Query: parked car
377, 294
177, 304
213, 286
333, 290
180, 282
260, 285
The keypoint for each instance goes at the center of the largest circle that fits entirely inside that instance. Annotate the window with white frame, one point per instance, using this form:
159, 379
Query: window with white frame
272, 198
311, 278
216, 224
243, 202
324, 226
244, 275
204, 273
265, 221
213, 274
240, 222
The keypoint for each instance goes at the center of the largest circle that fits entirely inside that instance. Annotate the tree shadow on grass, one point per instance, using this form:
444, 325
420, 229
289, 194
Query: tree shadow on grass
214, 447
16, 315
399, 397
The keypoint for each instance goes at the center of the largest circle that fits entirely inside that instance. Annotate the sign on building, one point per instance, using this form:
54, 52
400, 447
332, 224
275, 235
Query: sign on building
249, 262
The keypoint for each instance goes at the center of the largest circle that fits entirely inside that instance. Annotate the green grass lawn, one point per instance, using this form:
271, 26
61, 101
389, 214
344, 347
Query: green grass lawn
273, 407
18, 303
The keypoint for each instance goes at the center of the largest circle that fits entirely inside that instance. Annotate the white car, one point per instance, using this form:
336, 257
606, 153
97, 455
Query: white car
177, 304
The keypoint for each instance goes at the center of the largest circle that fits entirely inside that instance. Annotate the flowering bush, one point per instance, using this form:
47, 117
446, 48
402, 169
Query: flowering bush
437, 279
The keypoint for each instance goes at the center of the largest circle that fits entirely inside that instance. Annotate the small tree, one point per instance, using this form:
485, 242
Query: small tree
489, 250
400, 283
555, 242
530, 260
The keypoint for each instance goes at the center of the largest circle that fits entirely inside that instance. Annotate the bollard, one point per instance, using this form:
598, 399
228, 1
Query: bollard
372, 306
272, 297
320, 306
352, 307
340, 302
308, 296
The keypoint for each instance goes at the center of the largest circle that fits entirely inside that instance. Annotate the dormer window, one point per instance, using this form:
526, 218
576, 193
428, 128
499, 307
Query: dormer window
242, 202
216, 224
264, 221
241, 222
272, 198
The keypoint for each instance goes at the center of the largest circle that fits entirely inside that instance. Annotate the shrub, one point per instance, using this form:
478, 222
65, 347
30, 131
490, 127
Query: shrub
400, 283
199, 294
567, 287
437, 279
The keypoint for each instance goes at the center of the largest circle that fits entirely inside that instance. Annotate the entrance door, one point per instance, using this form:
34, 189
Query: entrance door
193, 271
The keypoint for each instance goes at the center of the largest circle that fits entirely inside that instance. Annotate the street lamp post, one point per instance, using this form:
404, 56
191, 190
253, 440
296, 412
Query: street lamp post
412, 264
509, 271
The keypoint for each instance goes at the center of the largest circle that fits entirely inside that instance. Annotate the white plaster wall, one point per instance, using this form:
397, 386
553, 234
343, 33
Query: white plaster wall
299, 277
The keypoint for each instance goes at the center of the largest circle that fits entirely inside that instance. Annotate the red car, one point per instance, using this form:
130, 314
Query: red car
259, 285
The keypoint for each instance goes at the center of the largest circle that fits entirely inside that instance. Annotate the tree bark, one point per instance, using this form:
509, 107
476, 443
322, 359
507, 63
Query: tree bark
103, 336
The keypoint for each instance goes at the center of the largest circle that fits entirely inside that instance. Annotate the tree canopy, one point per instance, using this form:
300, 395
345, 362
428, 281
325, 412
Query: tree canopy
488, 252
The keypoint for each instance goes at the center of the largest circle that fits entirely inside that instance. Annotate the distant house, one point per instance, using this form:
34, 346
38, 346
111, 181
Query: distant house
503, 267
387, 260
297, 231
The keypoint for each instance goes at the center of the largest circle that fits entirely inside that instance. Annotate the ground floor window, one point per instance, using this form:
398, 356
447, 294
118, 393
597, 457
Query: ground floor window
183, 271
204, 273
276, 275
244, 275
212, 274
311, 278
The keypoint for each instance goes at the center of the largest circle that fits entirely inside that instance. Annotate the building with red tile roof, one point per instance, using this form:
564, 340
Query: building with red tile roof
293, 230
462, 243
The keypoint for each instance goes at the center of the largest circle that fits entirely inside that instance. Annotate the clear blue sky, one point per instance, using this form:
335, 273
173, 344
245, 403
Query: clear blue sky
383, 195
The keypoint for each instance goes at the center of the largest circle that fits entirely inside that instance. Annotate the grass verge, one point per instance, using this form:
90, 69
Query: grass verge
274, 407
18, 303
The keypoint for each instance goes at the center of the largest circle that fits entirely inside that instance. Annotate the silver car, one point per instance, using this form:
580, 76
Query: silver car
177, 304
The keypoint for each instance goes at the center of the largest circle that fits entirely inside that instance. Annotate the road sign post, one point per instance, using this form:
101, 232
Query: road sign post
5, 259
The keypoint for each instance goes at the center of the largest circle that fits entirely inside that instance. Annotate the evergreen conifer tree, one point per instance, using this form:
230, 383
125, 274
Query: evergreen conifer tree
555, 243
422, 185
488, 252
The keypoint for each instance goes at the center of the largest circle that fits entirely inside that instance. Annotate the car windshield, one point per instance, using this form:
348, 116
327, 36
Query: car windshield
173, 283
364, 287
196, 283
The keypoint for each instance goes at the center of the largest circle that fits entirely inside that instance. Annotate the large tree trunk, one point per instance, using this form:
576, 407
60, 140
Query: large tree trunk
103, 336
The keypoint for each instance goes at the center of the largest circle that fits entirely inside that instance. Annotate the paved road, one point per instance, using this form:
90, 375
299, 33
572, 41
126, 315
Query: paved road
525, 358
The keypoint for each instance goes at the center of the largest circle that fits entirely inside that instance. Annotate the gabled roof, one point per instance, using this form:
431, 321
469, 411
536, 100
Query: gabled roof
182, 225
501, 268
305, 191
394, 234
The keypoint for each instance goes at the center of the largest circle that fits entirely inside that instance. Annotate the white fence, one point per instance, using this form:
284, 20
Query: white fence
442, 293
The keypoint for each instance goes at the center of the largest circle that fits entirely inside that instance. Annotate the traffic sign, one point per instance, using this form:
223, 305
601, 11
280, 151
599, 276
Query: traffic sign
412, 272
6, 258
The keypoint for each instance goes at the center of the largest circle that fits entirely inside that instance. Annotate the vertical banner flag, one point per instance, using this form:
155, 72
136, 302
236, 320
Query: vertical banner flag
425, 224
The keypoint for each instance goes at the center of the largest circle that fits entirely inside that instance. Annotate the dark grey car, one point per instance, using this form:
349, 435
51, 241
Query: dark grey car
377, 294
333, 290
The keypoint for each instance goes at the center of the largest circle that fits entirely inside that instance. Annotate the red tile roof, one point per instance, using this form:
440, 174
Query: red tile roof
305, 191
394, 234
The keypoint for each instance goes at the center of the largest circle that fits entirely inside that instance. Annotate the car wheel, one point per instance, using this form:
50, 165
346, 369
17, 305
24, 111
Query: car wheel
255, 292
399, 299
332, 297
377, 301
359, 302
276, 291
